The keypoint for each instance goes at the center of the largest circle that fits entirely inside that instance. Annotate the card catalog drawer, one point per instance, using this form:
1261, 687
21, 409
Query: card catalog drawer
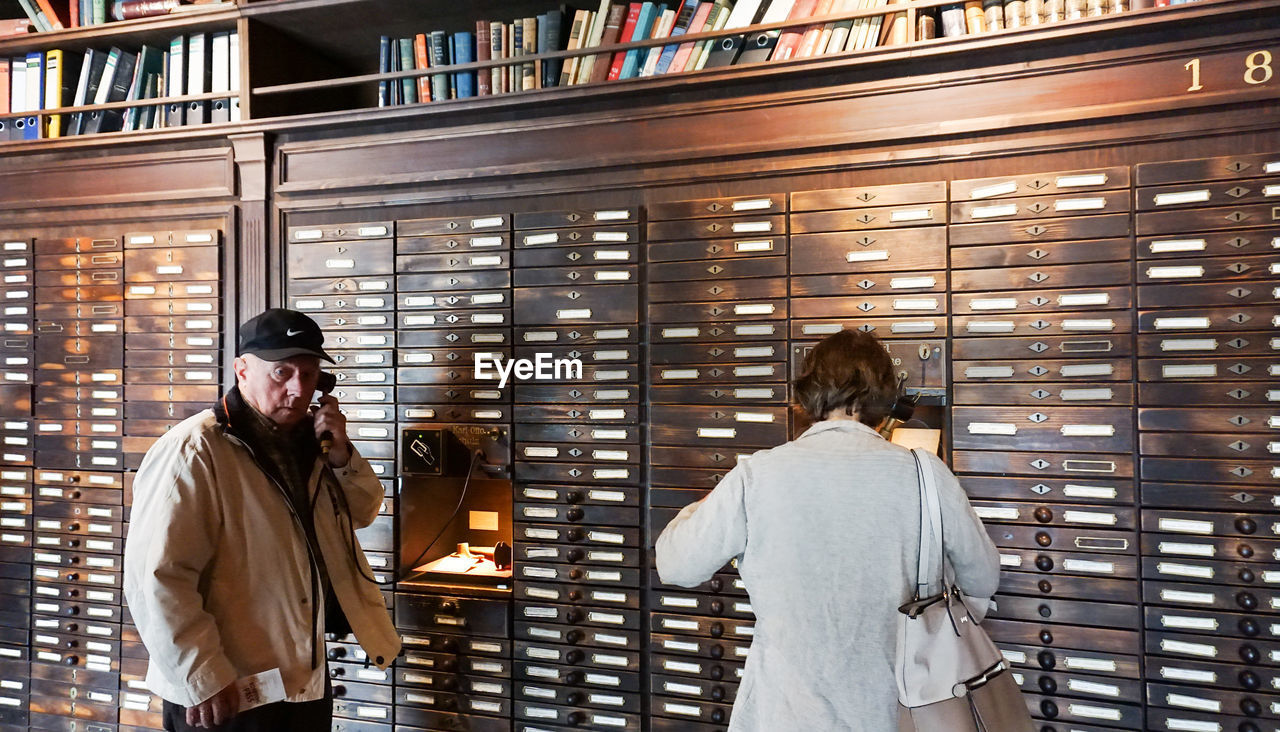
1063, 182
855, 196
736, 226
575, 217
1234, 472
545, 276
1053, 465
172, 265
1054, 489
575, 334
1084, 370
1057, 253
585, 536
611, 415
721, 394
1250, 273
1051, 346
594, 515
717, 332
901, 305
862, 252
1054, 514
1058, 638
1200, 194
749, 352
1236, 216
1099, 589
878, 217
1245, 241
587, 304
586, 395
599, 233
742, 289
755, 204
1187, 545
1197, 345
350, 230
1226, 167
1057, 323
1226, 446
718, 249
712, 311
453, 226
1055, 428
612, 557
341, 259
1093, 299
1040, 207
724, 269
1217, 394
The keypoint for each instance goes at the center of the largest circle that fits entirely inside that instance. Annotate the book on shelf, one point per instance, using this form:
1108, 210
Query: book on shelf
60, 70
808, 45
484, 52
610, 34
384, 66
759, 46
528, 36
497, 52
577, 31
35, 15
716, 21
439, 41
16, 27
726, 50
464, 52
5, 91
422, 60
550, 25
683, 22
148, 63
663, 22
219, 75
625, 36
697, 24
645, 21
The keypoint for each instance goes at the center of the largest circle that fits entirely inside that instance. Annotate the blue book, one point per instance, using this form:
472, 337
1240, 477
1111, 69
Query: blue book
384, 66
683, 18
464, 52
644, 26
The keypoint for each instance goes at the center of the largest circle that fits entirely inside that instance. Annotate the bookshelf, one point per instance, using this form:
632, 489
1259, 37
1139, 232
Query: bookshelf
314, 59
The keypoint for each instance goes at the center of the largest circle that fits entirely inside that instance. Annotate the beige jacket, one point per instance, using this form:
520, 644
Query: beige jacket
217, 572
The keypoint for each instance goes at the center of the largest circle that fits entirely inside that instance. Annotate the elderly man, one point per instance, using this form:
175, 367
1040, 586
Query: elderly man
242, 553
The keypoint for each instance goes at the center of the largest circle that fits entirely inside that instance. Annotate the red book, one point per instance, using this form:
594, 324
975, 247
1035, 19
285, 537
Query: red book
628, 29
697, 25
484, 52
789, 41
5, 85
14, 27
809, 41
422, 60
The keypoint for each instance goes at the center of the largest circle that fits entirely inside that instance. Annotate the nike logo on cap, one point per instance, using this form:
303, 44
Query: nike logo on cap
292, 332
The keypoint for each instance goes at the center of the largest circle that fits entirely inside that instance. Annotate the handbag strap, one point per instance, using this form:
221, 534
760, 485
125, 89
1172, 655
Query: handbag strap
930, 527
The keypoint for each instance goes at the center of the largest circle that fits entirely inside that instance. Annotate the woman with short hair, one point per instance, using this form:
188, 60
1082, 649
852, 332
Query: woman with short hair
826, 529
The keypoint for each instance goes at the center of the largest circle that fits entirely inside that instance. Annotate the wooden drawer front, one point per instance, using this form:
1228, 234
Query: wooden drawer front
1220, 168
1243, 420
86, 261
588, 514
158, 341
750, 352
727, 269
1089, 541
542, 552
1107, 615
1247, 270
1048, 255
1053, 428
601, 355
1239, 574
885, 328
73, 277
914, 283
1225, 294
1200, 194
1218, 394
611, 415
1051, 346
588, 304
578, 472
172, 324
1075, 711
1109, 492
1192, 496
60, 354
1234, 243
1059, 640
736, 226
450, 357
1040, 207
1233, 217
1098, 299
577, 594
1257, 368
599, 234
719, 394
540, 692
452, 614
172, 393
576, 217
926, 303
1235, 472
716, 332
172, 265
354, 320
704, 627
1067, 564
68, 427
1052, 514
1225, 446
1084, 370
616, 256
578, 335
371, 358
355, 378
595, 719
618, 578
763, 203
743, 289
1211, 524
1074, 275
181, 238
694, 689
459, 413
341, 259
1047, 230
1055, 323
585, 617
87, 295
701, 657
1111, 667
496, 298
453, 262
543, 276
853, 197
675, 600
207, 375
1215, 628
453, 226
722, 373
479, 242
206, 306
710, 311
621, 435
354, 302
869, 251
553, 673
350, 287
76, 245
1040, 184
584, 536
443, 338
447, 394
1031, 463
74, 328
1190, 546
1212, 597
878, 217
351, 230
171, 290
718, 249
685, 715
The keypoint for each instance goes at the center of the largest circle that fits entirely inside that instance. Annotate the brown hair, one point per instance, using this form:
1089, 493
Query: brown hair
849, 370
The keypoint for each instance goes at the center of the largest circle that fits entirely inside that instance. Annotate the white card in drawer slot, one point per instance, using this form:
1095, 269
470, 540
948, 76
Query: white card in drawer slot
873, 255
1079, 204
1088, 430
992, 428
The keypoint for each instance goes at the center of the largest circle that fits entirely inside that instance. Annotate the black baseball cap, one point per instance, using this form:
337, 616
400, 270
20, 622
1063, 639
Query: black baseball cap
278, 334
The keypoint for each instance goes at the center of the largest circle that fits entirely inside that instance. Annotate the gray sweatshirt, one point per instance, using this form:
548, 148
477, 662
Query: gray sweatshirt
826, 529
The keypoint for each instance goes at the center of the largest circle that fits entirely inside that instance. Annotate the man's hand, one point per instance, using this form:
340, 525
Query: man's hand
328, 418
216, 710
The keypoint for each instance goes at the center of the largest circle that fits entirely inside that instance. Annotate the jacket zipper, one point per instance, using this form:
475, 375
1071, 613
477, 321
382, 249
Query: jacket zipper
311, 560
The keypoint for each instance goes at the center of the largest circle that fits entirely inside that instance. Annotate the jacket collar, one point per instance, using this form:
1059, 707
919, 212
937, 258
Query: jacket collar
843, 425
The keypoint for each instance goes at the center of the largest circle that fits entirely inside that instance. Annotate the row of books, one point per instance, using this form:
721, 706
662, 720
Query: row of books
615, 23
48, 15
199, 63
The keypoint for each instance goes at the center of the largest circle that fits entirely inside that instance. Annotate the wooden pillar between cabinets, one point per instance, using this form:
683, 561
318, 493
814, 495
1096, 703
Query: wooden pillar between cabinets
247, 259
